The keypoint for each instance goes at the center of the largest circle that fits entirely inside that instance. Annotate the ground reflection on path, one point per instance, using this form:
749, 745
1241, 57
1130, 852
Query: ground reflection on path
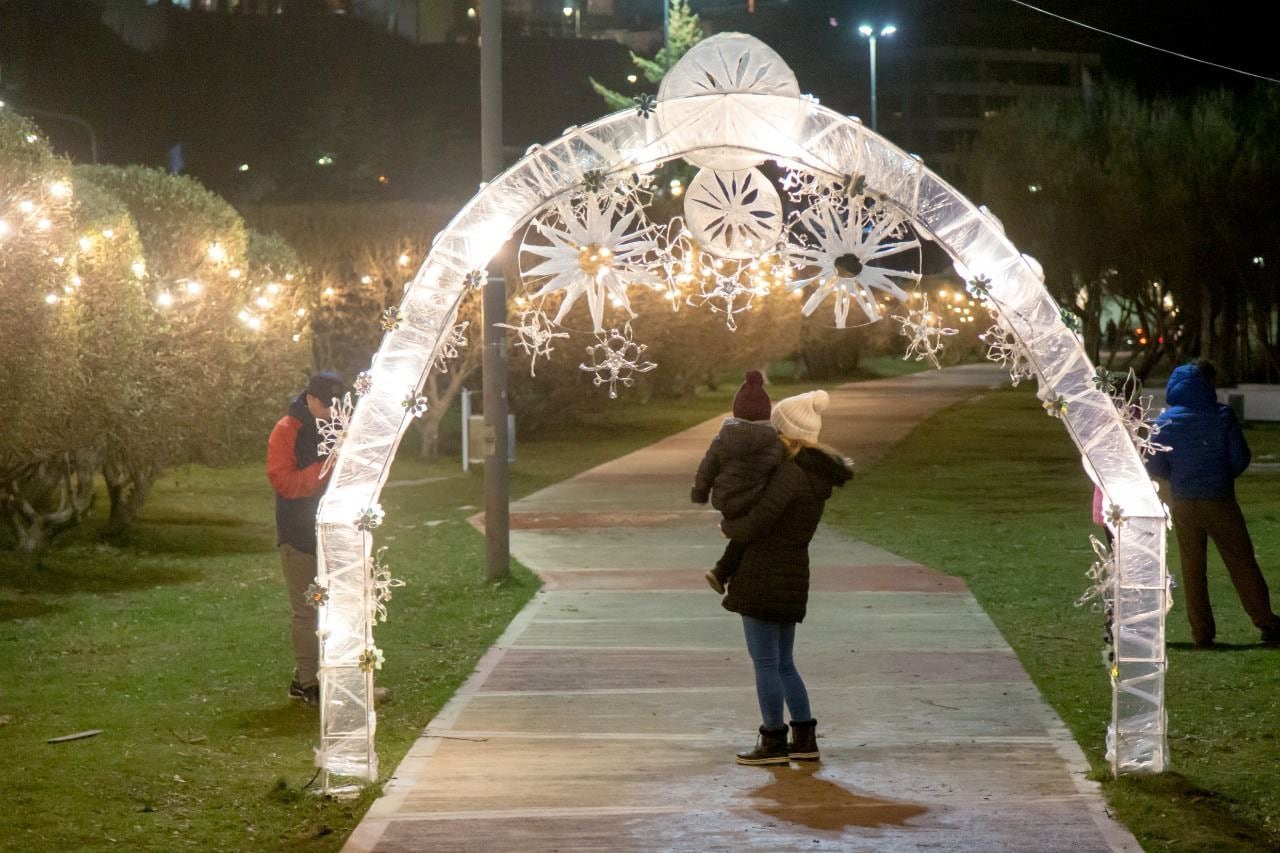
795, 794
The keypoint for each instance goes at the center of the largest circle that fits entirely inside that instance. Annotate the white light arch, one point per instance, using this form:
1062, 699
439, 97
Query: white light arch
797, 133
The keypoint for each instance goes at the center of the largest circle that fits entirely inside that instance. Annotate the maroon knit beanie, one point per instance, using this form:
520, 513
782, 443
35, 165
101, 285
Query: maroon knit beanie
751, 403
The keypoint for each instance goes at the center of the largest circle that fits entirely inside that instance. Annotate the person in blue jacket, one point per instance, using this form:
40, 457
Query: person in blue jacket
1207, 451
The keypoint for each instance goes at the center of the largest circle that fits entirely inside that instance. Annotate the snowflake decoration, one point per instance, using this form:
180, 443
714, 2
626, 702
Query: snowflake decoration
1004, 348
979, 286
317, 595
1056, 406
333, 432
593, 181
391, 319
454, 341
645, 104
803, 186
925, 331
369, 518
1104, 380
414, 404
364, 383
726, 286
534, 334
1072, 321
383, 583
371, 659
1115, 515
476, 279
616, 358
735, 214
598, 249
1135, 413
1101, 573
845, 252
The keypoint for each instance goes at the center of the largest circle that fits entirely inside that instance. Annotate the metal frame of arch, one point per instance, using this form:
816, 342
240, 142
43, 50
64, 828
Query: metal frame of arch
819, 141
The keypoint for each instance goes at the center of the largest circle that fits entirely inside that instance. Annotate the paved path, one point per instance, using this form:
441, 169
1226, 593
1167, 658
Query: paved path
606, 717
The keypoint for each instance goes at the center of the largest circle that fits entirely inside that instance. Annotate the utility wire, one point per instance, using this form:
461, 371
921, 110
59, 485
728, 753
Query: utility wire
1143, 43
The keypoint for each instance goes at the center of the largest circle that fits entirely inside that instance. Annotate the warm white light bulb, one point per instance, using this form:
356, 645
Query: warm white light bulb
59, 189
164, 299
217, 254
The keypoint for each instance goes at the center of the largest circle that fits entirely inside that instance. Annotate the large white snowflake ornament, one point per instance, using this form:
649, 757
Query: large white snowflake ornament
616, 358
924, 331
855, 254
535, 334
598, 249
734, 214
333, 431
802, 186
1003, 347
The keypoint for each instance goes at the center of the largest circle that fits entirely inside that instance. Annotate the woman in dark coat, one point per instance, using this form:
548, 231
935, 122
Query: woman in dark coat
771, 587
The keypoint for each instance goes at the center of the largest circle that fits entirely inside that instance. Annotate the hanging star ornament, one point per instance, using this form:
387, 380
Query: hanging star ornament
645, 104
317, 595
925, 332
595, 249
855, 253
616, 358
534, 335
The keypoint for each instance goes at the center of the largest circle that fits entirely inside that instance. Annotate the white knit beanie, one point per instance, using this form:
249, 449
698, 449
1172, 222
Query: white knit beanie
800, 417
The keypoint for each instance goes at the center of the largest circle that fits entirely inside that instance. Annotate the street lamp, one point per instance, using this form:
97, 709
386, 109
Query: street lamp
572, 11
868, 32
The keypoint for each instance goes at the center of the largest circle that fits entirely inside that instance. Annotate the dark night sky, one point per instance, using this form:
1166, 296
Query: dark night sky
1231, 33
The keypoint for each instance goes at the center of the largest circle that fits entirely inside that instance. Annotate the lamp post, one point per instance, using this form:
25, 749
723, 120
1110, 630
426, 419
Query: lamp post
869, 33
572, 11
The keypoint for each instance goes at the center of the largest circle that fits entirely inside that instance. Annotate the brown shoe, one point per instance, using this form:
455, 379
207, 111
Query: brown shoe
771, 748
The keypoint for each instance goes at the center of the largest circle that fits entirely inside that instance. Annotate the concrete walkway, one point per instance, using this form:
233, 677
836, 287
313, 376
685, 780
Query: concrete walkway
606, 717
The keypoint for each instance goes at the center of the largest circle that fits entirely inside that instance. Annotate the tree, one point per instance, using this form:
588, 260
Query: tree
38, 365
684, 30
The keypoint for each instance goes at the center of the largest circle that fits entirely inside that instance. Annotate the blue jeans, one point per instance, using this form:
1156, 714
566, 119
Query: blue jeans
770, 645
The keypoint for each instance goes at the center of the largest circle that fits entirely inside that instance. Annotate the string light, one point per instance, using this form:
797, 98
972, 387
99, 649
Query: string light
217, 254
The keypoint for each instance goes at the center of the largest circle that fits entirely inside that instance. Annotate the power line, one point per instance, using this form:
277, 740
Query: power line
1143, 43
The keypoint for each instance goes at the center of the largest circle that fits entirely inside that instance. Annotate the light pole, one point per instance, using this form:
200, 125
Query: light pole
868, 32
575, 13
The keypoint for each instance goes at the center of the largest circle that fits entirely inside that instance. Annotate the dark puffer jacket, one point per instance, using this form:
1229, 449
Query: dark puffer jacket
1207, 449
772, 583
737, 466
293, 467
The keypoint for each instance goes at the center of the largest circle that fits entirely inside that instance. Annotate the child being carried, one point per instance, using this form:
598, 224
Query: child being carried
736, 467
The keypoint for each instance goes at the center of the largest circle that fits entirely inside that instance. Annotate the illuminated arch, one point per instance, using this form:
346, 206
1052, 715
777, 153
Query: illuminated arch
727, 128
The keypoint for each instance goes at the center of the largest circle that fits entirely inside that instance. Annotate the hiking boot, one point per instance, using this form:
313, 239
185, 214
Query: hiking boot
771, 748
309, 695
1271, 636
714, 581
804, 741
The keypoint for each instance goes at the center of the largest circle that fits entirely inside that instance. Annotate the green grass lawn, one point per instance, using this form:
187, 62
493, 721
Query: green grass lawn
175, 644
993, 491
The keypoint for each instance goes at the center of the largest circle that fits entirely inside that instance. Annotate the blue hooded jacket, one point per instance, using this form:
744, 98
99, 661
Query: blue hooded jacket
1208, 450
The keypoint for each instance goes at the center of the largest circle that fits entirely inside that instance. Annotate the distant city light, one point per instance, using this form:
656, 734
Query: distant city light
324, 160
568, 11
244, 167
471, 12
833, 22
1033, 188
631, 78
865, 30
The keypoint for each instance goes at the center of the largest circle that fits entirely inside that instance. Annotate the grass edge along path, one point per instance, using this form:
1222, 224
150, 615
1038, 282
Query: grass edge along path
175, 643
992, 491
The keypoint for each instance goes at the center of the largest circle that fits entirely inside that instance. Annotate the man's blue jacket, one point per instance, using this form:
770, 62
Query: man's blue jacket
1208, 450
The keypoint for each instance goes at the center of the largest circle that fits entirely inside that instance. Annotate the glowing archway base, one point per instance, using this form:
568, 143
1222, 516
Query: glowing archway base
734, 126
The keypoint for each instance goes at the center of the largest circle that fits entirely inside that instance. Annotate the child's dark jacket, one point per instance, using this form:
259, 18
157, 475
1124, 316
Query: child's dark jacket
737, 466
